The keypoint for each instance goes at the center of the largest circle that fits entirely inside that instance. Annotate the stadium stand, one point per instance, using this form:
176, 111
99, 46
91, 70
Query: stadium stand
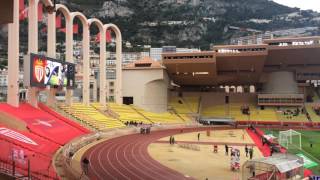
234, 111
162, 118
179, 106
43, 124
290, 114
267, 114
127, 113
37, 136
91, 116
57, 115
312, 112
185, 105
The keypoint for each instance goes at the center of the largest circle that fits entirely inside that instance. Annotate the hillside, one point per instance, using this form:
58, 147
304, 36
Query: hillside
193, 23
184, 23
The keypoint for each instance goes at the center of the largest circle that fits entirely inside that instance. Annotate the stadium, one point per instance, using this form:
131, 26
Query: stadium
234, 112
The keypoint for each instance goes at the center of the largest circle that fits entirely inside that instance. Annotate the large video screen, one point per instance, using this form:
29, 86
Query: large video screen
45, 71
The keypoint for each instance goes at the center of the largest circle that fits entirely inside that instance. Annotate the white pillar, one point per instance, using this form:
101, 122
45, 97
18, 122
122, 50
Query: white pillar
95, 90
227, 89
69, 52
102, 70
252, 89
33, 45
13, 58
86, 64
118, 68
51, 50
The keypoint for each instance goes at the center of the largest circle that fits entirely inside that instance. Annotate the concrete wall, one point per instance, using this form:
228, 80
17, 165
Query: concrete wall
148, 87
281, 82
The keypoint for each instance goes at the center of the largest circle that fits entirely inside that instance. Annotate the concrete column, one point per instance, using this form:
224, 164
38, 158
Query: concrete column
13, 58
103, 68
86, 64
51, 50
33, 92
118, 92
69, 52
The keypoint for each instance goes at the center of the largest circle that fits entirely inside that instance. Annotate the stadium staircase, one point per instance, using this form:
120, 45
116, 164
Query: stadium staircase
183, 117
91, 116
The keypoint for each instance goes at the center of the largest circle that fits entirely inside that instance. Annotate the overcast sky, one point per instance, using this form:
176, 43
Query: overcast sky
302, 4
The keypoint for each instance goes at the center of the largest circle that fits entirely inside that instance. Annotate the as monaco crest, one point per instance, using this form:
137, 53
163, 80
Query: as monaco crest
39, 70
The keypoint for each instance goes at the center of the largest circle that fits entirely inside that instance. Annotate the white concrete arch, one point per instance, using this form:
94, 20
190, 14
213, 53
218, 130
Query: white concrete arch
239, 89
68, 42
227, 89
69, 34
102, 62
252, 89
118, 61
13, 50
33, 38
85, 55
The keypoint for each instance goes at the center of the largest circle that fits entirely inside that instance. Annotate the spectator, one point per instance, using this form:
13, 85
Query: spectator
251, 152
227, 149
85, 164
246, 150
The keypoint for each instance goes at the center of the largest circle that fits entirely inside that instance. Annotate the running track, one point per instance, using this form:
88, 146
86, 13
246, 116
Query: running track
127, 157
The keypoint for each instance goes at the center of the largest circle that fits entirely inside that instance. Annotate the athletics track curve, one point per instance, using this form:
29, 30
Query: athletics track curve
127, 157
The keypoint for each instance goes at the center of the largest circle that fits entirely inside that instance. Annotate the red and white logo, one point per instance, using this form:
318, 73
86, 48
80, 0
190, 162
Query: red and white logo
44, 123
17, 136
38, 69
39, 72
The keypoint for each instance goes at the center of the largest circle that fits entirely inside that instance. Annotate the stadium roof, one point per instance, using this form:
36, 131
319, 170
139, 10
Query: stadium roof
244, 64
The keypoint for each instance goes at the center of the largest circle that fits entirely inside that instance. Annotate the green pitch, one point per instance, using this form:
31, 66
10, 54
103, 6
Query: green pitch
310, 142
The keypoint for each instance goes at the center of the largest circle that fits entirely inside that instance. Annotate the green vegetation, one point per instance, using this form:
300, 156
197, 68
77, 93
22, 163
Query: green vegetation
3, 64
307, 138
197, 32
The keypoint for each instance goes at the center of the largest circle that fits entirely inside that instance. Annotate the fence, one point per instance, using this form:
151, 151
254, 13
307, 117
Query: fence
16, 161
11, 168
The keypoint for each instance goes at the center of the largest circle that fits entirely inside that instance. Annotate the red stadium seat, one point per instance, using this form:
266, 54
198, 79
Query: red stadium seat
44, 124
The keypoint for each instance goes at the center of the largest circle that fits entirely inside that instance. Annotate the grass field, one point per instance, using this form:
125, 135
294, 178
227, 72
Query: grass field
307, 137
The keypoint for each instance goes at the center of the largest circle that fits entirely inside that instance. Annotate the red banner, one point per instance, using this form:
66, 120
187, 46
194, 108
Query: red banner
58, 21
40, 12
21, 5
23, 14
108, 36
75, 29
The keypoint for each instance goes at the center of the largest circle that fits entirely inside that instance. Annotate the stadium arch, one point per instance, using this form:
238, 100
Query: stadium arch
118, 61
102, 61
13, 51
